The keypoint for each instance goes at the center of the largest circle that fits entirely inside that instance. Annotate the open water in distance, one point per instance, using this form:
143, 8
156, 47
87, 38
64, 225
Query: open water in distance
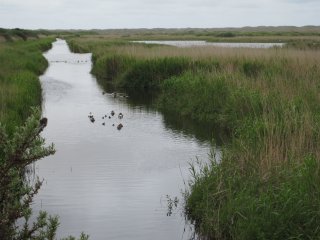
215, 44
108, 183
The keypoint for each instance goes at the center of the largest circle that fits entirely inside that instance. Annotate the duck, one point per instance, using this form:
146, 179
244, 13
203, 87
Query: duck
90, 116
112, 113
119, 126
120, 116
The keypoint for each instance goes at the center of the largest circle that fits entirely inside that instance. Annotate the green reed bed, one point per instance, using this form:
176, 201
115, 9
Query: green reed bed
21, 64
266, 184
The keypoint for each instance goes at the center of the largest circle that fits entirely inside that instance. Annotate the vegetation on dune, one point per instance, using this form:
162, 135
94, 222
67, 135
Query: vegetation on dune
265, 186
21, 34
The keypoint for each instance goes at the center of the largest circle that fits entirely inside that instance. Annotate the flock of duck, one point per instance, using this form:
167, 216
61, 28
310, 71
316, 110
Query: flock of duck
116, 94
112, 114
64, 61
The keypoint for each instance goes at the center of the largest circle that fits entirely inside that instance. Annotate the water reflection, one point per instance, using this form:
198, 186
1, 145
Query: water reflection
201, 131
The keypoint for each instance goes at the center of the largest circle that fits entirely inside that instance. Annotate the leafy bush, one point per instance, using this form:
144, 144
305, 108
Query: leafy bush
17, 152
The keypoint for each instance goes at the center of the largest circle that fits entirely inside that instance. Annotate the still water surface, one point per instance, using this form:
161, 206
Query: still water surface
214, 44
110, 184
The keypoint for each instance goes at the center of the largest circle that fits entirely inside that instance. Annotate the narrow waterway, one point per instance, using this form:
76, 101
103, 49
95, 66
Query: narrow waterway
109, 183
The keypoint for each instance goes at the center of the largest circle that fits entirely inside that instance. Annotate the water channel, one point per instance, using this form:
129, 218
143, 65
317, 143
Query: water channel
109, 183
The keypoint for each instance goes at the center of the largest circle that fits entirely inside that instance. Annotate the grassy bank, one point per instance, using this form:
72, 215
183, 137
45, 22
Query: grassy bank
266, 101
21, 64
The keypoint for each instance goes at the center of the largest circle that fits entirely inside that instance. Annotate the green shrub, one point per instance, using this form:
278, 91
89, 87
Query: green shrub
226, 34
17, 151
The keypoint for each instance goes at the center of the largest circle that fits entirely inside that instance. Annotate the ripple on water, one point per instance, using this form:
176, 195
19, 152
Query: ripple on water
54, 89
110, 184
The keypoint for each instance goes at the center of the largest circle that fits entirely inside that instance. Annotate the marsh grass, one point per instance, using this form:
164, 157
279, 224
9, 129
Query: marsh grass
227, 204
266, 185
21, 64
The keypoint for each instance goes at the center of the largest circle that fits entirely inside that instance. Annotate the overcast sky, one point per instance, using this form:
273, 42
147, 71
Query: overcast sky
102, 14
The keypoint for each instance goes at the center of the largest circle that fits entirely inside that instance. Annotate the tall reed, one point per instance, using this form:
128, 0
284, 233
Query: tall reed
21, 64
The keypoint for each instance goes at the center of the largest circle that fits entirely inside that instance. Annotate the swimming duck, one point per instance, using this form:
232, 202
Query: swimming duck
119, 126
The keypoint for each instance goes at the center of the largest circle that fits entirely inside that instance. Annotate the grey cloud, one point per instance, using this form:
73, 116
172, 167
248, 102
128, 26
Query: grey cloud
156, 13
301, 1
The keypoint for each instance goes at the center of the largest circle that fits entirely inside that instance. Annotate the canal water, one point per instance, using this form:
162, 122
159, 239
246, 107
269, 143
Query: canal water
110, 183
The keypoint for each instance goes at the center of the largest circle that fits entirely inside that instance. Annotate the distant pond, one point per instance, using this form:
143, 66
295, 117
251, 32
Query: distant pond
215, 44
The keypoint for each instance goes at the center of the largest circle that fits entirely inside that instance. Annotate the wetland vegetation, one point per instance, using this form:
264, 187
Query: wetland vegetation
265, 186
265, 101
21, 64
